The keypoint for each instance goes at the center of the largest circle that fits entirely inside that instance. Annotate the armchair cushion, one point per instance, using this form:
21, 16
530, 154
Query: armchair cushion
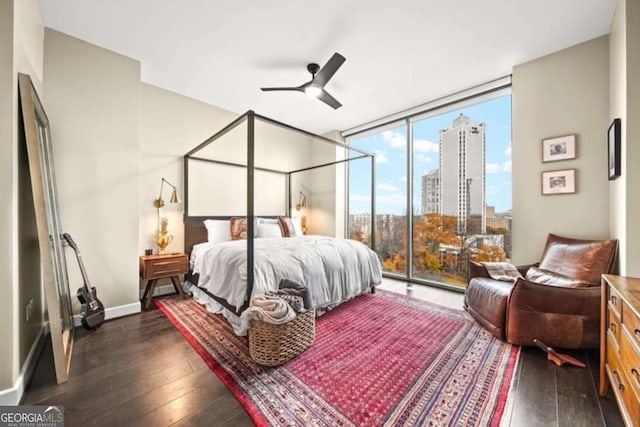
546, 277
559, 317
579, 259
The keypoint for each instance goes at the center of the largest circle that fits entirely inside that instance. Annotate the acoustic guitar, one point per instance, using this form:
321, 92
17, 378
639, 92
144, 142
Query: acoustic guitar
92, 312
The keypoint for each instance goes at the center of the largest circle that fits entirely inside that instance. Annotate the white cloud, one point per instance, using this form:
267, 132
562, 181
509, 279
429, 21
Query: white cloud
381, 157
426, 146
399, 140
394, 139
403, 178
493, 168
506, 166
507, 152
423, 158
386, 187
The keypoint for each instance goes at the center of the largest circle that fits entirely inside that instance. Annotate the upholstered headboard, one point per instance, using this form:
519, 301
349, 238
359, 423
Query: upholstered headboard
195, 231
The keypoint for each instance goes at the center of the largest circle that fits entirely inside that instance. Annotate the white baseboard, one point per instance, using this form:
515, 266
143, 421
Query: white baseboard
162, 290
13, 395
114, 312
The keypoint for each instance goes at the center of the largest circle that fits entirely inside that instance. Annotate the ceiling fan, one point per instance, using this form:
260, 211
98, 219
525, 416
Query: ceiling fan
319, 78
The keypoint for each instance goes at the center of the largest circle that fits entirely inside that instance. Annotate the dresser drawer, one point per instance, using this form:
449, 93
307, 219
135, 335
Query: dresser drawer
156, 267
613, 325
614, 299
630, 362
622, 388
632, 323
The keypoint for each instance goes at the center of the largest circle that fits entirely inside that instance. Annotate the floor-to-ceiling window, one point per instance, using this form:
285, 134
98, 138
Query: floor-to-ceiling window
443, 189
389, 144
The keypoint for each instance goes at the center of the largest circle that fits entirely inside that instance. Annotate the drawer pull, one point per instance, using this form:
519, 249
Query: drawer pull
612, 326
619, 383
636, 375
637, 332
155, 273
613, 299
166, 262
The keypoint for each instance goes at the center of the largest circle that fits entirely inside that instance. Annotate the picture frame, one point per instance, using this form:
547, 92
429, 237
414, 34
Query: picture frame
559, 148
613, 149
559, 182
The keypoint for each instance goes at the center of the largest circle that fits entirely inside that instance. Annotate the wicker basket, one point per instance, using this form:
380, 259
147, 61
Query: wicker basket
273, 345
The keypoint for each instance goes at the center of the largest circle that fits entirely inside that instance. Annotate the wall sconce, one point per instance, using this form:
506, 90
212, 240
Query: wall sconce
302, 201
302, 204
164, 238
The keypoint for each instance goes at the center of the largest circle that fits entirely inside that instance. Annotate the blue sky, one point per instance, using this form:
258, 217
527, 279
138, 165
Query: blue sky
391, 151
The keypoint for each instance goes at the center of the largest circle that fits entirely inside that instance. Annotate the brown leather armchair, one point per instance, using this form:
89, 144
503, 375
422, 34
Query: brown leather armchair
557, 301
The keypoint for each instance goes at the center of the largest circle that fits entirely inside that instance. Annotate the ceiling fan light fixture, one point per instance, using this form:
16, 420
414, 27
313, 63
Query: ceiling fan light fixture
314, 88
313, 91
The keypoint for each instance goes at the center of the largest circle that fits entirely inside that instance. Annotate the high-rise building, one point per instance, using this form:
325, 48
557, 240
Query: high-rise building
431, 192
462, 172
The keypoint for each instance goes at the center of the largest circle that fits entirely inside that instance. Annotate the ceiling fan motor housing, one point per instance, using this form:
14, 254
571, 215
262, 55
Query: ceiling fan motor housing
313, 68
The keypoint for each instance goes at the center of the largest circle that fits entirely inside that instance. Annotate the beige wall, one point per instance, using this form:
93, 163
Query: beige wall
562, 93
92, 97
326, 189
624, 100
170, 126
8, 274
21, 47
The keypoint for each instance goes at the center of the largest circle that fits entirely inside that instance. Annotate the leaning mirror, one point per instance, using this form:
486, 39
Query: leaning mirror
55, 280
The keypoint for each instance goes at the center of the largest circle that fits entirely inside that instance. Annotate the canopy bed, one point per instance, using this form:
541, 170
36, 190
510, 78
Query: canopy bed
240, 247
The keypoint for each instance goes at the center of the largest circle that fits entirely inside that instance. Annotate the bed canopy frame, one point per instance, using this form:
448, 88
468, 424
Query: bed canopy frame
195, 231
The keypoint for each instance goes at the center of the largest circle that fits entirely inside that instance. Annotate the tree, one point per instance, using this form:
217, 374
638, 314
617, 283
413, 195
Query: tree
360, 236
488, 253
432, 234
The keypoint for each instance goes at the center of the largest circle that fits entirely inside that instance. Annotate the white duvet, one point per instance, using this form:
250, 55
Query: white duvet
334, 270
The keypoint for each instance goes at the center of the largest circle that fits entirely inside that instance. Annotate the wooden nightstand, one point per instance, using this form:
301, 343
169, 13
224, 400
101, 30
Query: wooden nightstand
154, 267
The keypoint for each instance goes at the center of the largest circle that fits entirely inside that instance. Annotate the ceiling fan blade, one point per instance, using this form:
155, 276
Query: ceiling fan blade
329, 100
329, 69
268, 89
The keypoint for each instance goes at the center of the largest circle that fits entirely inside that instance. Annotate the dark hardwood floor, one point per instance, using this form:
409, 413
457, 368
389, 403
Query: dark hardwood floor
139, 370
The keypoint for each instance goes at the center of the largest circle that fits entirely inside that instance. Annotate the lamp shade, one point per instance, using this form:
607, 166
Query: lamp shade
174, 197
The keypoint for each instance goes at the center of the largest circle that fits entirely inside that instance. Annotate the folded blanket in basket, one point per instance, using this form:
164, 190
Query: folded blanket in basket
289, 287
270, 309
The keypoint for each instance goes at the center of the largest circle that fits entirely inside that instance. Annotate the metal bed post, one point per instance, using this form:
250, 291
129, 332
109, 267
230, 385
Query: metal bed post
250, 188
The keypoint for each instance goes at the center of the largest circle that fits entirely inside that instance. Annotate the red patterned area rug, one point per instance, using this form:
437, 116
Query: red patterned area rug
382, 359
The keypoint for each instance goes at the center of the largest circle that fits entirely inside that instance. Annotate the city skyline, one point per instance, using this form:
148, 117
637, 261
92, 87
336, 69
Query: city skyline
391, 153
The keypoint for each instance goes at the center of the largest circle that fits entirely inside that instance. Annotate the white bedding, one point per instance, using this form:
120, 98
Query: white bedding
334, 270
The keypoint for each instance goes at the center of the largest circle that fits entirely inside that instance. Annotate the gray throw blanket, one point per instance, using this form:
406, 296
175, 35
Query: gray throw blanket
502, 271
289, 287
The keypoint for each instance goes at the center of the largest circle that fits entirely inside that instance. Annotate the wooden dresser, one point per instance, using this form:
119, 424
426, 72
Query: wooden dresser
620, 344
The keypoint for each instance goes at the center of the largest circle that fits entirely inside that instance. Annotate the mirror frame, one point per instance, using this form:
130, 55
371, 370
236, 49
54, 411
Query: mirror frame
55, 280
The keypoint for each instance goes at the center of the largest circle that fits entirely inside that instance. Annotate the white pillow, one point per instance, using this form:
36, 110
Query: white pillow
297, 225
268, 230
218, 230
261, 220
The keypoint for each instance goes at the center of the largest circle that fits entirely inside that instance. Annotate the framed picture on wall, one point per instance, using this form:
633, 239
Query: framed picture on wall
559, 148
613, 149
559, 182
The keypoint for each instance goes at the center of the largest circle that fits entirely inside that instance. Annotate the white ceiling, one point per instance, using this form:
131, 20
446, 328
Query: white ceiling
399, 53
